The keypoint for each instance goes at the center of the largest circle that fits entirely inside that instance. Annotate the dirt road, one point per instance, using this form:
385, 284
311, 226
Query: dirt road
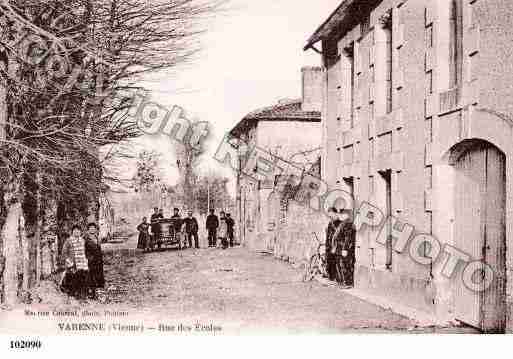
240, 290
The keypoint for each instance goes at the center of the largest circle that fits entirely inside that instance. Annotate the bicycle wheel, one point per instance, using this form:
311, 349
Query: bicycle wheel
316, 266
310, 269
323, 265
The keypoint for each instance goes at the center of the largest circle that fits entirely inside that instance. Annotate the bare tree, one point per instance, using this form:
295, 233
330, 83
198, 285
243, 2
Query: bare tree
212, 192
188, 158
147, 174
68, 81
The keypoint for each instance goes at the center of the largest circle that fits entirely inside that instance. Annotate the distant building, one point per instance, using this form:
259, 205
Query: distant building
418, 122
290, 129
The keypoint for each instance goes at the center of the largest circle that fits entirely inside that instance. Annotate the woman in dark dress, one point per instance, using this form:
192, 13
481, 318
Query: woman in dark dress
94, 256
144, 236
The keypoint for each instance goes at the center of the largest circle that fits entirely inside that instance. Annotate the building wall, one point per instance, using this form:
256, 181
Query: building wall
286, 138
484, 113
414, 139
312, 87
283, 139
248, 192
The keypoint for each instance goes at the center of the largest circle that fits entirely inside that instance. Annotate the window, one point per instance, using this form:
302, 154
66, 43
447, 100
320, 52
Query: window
474, 66
349, 54
386, 177
426, 250
429, 36
453, 45
348, 155
386, 22
474, 19
353, 87
429, 177
389, 49
429, 82
429, 130
385, 143
350, 185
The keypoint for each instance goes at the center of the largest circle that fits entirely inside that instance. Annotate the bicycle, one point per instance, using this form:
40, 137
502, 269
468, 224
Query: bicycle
317, 263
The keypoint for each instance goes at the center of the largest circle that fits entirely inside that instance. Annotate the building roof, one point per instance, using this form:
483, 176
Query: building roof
288, 110
345, 16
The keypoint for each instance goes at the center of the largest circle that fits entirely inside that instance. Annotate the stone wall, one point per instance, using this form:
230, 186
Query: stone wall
411, 142
293, 234
298, 238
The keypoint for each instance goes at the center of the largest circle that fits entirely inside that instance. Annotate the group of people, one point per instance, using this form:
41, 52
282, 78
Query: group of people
82, 261
222, 228
340, 247
82, 257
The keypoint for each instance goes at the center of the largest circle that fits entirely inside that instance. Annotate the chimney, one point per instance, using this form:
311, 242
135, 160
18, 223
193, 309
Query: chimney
313, 88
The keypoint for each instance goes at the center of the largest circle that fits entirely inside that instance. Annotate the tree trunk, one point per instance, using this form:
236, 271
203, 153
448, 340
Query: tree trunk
10, 236
93, 208
39, 229
25, 253
49, 243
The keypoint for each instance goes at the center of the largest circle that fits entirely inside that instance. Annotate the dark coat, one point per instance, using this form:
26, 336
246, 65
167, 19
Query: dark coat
330, 231
345, 239
212, 221
191, 225
155, 227
230, 223
94, 256
143, 235
177, 222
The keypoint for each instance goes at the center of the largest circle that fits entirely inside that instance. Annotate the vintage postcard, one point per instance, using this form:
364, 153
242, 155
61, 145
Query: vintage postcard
237, 167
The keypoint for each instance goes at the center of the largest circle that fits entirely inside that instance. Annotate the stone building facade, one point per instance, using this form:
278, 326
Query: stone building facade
417, 121
291, 130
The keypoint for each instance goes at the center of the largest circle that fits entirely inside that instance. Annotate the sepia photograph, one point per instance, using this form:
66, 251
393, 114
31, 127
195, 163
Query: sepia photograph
214, 168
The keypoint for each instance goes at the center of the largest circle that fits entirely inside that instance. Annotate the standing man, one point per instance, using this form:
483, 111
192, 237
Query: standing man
94, 256
155, 227
231, 224
191, 229
155, 214
330, 232
212, 224
223, 230
345, 237
177, 225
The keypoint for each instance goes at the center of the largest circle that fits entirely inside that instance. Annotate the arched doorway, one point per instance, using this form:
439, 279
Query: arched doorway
480, 230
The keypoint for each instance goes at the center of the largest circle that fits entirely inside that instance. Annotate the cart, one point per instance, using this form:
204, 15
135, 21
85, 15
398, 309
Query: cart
167, 235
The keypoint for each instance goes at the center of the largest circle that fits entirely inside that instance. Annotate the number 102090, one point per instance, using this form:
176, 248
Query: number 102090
25, 344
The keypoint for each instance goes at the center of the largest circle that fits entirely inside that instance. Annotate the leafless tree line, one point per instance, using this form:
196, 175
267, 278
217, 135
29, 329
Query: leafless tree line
68, 73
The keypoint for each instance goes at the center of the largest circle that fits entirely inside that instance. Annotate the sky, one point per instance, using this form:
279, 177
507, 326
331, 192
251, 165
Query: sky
251, 57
